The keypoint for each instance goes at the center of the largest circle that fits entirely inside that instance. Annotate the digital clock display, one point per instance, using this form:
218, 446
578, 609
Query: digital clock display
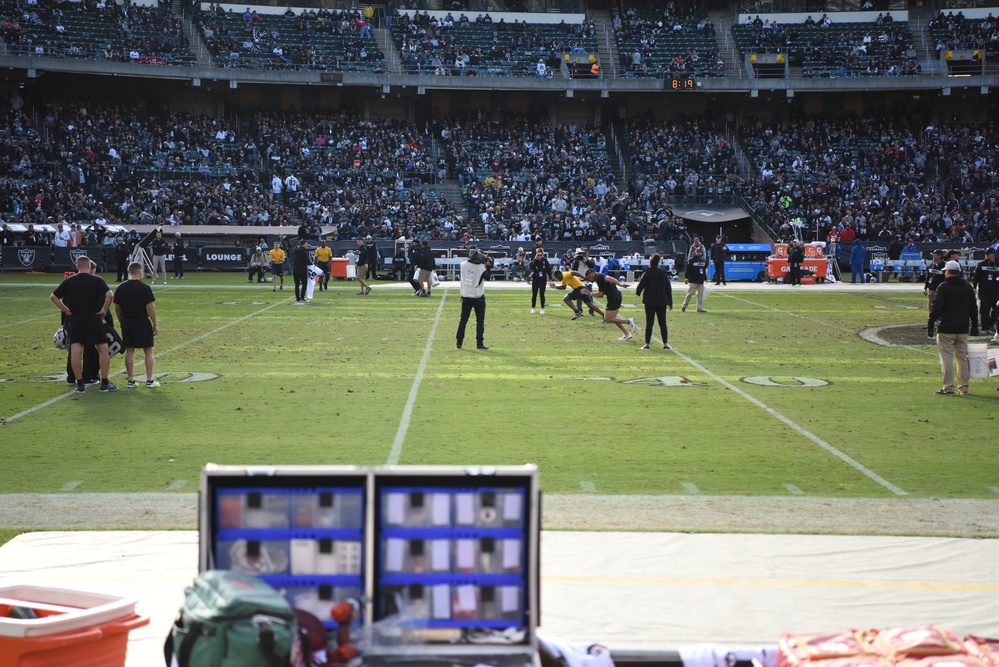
681, 82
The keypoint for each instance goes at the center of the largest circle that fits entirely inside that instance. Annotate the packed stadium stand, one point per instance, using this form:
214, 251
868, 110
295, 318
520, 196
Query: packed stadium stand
589, 124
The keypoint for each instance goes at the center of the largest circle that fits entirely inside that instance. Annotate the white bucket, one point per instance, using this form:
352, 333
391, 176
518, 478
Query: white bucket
978, 354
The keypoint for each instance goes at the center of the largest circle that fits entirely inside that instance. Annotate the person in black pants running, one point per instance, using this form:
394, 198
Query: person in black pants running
541, 272
658, 298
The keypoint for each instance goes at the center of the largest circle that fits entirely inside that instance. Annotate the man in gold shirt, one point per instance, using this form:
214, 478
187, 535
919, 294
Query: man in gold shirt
277, 257
324, 255
573, 280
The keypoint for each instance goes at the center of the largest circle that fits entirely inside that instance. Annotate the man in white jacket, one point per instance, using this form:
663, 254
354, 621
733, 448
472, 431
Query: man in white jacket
474, 272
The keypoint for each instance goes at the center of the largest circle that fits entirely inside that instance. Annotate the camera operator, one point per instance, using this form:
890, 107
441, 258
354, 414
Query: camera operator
474, 272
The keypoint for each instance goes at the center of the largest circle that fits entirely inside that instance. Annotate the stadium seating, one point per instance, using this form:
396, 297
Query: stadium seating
120, 33
429, 46
840, 49
316, 41
651, 43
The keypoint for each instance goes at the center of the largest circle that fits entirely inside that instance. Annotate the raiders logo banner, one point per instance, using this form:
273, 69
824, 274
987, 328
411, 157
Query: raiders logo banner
65, 258
26, 259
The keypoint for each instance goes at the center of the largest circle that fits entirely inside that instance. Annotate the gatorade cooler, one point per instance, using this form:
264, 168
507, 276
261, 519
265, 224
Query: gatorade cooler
53, 627
338, 268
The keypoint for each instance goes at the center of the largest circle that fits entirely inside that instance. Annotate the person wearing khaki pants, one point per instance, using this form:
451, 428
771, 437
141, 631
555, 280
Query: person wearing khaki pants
952, 315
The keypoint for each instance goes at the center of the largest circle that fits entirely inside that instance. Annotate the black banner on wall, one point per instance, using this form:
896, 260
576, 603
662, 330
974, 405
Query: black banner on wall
223, 257
26, 258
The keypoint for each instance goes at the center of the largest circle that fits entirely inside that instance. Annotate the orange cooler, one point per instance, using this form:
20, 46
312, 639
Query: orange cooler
53, 627
338, 268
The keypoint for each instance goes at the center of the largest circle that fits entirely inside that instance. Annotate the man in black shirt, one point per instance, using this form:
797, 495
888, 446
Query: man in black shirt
934, 276
159, 249
413, 269
695, 276
301, 261
719, 253
986, 282
952, 316
85, 299
135, 306
795, 258
178, 257
121, 258
373, 257
607, 286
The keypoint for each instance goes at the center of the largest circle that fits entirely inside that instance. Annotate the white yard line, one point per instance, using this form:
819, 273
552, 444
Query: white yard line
856, 465
870, 335
789, 313
55, 399
407, 412
33, 319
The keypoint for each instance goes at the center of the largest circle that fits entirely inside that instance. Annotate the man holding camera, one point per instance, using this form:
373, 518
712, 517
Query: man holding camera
953, 313
474, 272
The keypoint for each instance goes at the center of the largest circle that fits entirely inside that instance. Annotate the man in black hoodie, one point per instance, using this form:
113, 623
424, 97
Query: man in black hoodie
934, 276
952, 314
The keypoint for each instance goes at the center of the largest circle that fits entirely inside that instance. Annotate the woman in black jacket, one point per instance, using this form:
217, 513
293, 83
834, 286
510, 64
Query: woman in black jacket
658, 298
541, 272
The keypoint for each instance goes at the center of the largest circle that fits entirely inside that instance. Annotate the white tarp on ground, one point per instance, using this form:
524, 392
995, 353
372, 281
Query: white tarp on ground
654, 591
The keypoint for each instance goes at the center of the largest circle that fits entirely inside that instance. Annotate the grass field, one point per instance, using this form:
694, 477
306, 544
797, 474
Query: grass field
772, 393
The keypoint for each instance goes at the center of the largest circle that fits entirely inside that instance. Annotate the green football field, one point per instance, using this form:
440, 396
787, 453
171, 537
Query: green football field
774, 392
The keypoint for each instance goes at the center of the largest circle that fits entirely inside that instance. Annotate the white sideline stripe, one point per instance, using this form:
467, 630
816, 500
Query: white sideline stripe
58, 398
33, 319
793, 490
588, 487
407, 412
176, 485
856, 465
690, 488
69, 486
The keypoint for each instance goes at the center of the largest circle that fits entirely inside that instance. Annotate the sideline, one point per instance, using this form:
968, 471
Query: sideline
856, 465
407, 412
56, 399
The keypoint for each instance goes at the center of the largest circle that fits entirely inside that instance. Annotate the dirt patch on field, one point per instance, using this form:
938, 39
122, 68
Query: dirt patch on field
715, 514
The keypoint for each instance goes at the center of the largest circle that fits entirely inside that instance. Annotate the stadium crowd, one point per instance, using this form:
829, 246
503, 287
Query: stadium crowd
121, 32
639, 30
449, 46
878, 177
873, 178
954, 31
249, 40
883, 47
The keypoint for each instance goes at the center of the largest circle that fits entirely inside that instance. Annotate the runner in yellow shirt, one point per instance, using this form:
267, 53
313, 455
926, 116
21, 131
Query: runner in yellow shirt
573, 280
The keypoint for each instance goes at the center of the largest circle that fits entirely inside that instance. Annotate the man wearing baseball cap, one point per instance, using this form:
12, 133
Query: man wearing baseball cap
986, 283
934, 276
952, 314
178, 257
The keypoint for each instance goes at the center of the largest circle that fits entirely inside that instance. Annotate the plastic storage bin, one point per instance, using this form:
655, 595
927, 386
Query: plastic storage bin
78, 628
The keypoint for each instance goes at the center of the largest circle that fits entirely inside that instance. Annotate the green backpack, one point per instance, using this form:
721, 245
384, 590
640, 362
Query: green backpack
231, 619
